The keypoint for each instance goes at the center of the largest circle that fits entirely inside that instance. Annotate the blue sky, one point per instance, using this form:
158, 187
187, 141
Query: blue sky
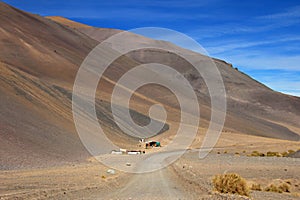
261, 38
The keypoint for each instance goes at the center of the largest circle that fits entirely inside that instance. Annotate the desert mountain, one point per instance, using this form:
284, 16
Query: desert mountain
39, 61
250, 103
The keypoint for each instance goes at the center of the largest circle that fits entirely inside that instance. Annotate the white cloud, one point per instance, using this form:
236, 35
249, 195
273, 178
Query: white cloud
293, 12
231, 45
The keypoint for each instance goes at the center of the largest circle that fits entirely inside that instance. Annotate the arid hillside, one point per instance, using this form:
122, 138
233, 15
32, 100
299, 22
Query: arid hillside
39, 59
253, 108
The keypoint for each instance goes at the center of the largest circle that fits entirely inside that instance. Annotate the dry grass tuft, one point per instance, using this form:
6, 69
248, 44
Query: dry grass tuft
256, 187
271, 154
231, 183
291, 151
272, 188
256, 153
287, 153
283, 187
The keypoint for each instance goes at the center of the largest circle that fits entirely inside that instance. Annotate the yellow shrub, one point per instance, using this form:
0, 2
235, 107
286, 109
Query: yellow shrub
231, 183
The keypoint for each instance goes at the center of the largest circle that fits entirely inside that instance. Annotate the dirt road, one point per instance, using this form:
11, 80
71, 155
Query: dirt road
160, 184
155, 185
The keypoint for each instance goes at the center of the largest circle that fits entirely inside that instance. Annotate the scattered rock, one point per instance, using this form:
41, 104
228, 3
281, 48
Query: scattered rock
111, 171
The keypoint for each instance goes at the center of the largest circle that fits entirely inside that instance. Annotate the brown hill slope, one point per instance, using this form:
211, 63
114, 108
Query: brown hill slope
252, 107
38, 63
39, 46
68, 22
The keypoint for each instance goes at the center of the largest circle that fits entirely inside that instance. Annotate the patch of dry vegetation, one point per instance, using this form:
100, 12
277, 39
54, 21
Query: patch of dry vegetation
256, 187
231, 184
271, 154
283, 187
278, 186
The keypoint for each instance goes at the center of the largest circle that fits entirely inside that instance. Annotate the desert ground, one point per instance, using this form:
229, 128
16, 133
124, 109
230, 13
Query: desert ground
187, 178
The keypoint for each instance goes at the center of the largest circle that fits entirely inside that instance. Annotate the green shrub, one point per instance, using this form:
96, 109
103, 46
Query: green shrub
231, 183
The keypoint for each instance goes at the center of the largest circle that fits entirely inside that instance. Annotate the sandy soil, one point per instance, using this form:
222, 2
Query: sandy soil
187, 178
66, 182
263, 171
